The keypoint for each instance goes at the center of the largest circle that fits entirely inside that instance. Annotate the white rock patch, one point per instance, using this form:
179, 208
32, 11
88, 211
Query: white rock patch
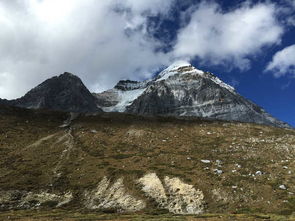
183, 198
44, 197
107, 196
175, 196
153, 187
29, 200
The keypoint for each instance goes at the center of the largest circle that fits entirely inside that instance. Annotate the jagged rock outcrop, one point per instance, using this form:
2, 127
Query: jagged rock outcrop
64, 93
127, 85
182, 90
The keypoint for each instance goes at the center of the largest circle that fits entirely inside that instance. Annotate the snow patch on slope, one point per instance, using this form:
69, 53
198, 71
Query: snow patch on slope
222, 84
125, 99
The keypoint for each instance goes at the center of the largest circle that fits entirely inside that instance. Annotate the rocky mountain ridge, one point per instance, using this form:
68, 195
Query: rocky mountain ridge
180, 90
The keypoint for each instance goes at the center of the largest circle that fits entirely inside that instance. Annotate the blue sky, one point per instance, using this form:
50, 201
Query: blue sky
275, 94
248, 44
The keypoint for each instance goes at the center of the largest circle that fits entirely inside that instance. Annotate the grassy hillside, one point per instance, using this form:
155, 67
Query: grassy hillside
240, 168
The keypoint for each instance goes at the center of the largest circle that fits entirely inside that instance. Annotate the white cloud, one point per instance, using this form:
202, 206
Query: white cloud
283, 62
291, 16
221, 37
40, 39
105, 41
153, 6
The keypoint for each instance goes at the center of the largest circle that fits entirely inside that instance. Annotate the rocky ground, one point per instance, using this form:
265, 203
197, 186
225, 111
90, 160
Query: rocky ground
124, 163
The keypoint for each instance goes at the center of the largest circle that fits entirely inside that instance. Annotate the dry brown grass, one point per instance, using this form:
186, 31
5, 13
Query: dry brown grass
116, 145
75, 216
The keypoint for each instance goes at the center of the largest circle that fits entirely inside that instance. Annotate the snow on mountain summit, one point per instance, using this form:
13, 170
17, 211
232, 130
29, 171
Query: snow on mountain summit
178, 67
184, 68
178, 64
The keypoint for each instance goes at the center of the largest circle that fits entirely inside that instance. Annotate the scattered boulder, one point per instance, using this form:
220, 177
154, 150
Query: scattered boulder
217, 171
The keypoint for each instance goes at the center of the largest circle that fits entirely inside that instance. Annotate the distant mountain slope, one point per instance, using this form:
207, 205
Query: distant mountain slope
182, 90
65, 92
3, 102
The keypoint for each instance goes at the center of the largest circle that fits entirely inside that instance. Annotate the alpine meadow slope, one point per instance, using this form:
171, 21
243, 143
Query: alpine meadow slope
117, 162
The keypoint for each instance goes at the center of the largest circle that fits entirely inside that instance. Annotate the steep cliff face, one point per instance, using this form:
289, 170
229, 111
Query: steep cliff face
65, 92
182, 90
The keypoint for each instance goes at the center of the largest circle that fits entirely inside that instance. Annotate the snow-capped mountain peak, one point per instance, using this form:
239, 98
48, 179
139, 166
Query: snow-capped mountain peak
179, 67
184, 68
127, 91
178, 64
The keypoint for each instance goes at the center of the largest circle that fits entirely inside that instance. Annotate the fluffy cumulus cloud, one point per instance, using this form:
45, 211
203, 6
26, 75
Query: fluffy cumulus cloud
221, 37
283, 62
101, 41
105, 41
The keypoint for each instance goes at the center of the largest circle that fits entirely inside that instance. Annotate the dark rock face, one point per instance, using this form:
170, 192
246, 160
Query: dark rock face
64, 93
3, 102
199, 97
107, 98
126, 85
193, 93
